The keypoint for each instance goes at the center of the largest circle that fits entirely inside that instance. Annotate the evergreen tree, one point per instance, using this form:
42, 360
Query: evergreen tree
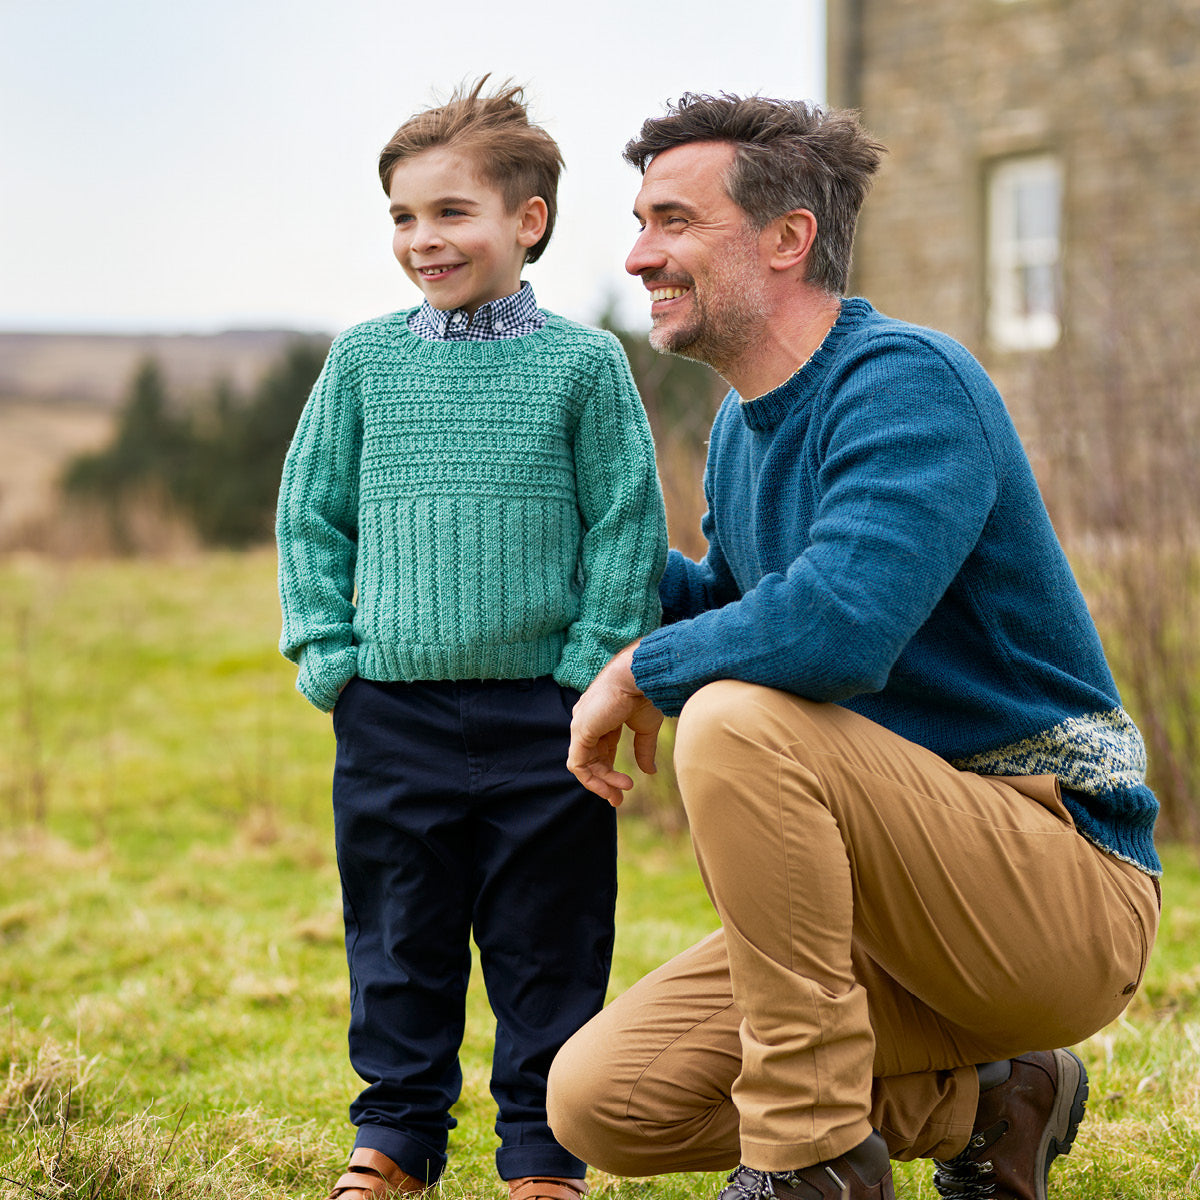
217, 464
242, 457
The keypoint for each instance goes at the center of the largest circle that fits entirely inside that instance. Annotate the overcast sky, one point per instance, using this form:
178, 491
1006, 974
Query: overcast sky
194, 167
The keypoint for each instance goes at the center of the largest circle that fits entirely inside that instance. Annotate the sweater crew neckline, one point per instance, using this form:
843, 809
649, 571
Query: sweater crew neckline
764, 413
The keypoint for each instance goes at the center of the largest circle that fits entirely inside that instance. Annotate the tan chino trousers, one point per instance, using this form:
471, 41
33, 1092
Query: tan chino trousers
887, 922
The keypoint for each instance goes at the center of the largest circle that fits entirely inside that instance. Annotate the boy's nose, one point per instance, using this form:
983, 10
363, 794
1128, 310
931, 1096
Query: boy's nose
426, 236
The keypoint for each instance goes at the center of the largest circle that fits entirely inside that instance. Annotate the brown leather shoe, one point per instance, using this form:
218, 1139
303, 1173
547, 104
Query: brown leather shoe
370, 1175
864, 1173
546, 1187
1021, 1126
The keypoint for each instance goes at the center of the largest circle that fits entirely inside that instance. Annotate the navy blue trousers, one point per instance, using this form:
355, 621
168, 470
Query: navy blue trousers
454, 813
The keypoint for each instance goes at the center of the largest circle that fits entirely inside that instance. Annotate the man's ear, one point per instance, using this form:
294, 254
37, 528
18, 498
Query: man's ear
792, 238
533, 216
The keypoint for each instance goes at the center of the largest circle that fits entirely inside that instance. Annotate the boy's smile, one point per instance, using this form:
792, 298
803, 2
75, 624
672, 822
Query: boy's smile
454, 236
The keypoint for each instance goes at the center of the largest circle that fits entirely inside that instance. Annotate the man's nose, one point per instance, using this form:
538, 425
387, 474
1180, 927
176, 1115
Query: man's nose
645, 255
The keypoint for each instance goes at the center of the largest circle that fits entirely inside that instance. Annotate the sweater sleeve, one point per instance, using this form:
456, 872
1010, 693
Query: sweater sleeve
317, 536
904, 485
625, 538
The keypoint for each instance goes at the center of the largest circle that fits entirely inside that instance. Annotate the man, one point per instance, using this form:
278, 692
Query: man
915, 799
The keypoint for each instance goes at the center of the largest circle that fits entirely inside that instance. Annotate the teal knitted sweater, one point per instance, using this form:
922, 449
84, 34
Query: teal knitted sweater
478, 510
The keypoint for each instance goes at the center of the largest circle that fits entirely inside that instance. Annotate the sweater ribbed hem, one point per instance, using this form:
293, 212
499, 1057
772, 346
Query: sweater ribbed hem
412, 661
1140, 852
1131, 839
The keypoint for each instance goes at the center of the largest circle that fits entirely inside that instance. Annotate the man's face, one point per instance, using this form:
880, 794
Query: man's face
698, 256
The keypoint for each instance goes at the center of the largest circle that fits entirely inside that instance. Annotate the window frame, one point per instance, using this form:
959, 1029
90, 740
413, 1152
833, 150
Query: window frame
1012, 322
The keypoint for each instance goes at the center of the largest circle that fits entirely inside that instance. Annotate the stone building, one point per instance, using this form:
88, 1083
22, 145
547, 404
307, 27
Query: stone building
1041, 203
1041, 196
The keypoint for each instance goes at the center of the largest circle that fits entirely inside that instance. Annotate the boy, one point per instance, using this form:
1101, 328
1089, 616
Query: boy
470, 525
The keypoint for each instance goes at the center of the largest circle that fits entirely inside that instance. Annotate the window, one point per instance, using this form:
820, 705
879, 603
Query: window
1024, 252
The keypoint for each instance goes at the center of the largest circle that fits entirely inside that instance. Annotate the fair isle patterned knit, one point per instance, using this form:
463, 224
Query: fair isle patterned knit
876, 539
468, 510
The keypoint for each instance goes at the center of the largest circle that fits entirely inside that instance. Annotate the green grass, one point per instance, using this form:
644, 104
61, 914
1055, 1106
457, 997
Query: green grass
170, 941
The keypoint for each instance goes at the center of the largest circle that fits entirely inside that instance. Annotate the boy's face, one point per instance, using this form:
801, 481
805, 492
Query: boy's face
454, 236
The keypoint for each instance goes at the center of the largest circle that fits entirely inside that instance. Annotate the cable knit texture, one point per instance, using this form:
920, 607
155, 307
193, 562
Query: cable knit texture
481, 510
876, 538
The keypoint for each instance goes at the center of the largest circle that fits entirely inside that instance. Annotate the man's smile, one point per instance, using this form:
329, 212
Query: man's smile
668, 293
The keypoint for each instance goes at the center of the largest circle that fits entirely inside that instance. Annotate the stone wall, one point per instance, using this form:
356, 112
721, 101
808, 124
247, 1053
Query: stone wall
1112, 87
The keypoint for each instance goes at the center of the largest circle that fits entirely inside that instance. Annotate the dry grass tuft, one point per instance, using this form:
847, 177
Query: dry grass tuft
42, 1080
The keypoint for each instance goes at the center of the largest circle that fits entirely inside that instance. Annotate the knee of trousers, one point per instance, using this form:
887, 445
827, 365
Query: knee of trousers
732, 726
712, 714
585, 1116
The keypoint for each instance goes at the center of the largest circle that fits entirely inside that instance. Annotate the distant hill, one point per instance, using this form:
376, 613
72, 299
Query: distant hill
94, 370
60, 392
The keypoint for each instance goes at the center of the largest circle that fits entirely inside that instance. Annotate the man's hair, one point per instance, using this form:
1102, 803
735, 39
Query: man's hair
787, 155
518, 158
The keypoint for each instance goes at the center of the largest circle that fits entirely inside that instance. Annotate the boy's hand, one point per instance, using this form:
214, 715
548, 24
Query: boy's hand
613, 701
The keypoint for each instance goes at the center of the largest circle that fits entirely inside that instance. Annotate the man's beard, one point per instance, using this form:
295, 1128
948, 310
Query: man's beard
720, 328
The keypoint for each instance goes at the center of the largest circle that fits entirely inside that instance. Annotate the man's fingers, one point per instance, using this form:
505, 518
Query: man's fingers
611, 786
591, 762
611, 702
602, 778
645, 743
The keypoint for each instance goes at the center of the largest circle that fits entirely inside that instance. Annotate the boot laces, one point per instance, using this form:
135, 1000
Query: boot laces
965, 1177
748, 1184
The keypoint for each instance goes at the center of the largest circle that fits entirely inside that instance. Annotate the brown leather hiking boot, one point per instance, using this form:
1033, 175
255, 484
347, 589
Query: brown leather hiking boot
864, 1173
1022, 1125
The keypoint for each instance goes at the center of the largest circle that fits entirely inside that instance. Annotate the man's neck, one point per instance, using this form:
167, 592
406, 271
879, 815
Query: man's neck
787, 341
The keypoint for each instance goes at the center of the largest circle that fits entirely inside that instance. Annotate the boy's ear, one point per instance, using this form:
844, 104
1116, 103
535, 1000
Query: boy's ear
792, 236
533, 216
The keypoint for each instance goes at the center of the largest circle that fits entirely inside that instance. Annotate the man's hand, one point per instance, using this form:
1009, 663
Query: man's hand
613, 701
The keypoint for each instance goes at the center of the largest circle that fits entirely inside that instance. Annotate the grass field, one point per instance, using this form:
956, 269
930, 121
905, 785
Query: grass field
170, 944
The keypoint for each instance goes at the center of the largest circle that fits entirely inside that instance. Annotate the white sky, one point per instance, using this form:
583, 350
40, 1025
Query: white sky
194, 167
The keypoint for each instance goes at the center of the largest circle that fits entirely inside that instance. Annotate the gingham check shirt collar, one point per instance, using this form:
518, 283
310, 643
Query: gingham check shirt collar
510, 316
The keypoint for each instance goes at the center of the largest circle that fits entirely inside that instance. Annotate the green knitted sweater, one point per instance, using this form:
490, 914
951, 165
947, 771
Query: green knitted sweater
468, 510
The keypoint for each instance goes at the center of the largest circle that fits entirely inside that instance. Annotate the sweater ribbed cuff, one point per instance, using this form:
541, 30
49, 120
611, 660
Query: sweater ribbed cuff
322, 675
656, 667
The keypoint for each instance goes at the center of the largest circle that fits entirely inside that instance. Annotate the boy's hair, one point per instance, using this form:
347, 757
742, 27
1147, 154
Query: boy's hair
788, 155
518, 158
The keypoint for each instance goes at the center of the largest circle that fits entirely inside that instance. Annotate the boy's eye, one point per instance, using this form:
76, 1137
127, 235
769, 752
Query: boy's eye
401, 218
453, 212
